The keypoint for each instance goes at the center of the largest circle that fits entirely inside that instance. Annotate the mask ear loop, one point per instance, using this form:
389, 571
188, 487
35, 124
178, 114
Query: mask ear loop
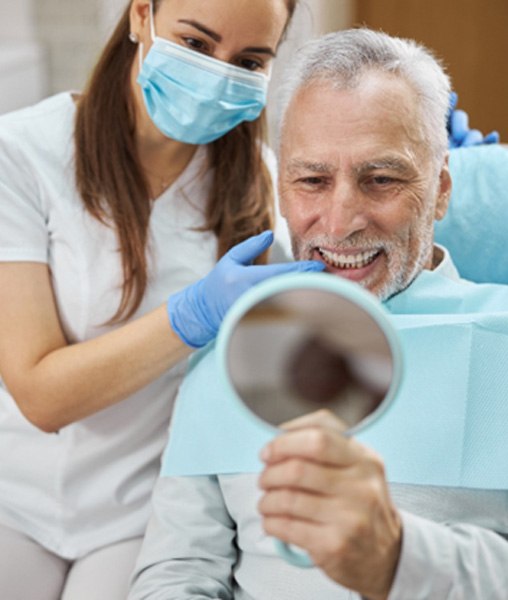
140, 56
152, 35
152, 23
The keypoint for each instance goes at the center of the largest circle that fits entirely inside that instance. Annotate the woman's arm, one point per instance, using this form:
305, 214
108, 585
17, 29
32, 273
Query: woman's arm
55, 383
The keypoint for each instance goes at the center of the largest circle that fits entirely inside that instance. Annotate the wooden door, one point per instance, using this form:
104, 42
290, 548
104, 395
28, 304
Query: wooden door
470, 36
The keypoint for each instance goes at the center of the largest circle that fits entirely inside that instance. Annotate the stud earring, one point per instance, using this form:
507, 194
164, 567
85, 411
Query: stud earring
134, 37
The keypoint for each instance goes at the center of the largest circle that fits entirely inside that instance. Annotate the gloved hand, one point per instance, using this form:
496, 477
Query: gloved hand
197, 311
459, 134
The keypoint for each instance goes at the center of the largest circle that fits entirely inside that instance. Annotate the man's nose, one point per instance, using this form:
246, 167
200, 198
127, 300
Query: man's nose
347, 212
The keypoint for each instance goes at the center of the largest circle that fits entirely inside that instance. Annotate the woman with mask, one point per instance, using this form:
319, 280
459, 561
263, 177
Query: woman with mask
111, 202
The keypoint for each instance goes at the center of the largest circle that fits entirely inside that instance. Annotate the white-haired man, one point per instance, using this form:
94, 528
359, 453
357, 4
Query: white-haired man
363, 175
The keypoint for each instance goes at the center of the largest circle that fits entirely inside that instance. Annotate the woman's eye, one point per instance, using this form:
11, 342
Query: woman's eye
250, 64
195, 44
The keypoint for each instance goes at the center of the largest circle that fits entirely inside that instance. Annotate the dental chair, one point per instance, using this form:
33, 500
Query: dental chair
475, 228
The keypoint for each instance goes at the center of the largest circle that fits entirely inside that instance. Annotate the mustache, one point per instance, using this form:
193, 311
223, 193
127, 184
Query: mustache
355, 241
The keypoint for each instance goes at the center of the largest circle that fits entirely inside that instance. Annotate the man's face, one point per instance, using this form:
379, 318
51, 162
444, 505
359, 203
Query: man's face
358, 186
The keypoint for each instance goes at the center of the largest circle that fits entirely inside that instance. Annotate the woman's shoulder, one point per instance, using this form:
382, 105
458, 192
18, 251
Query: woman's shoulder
40, 123
38, 135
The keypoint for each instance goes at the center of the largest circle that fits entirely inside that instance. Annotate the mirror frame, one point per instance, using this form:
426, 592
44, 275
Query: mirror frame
316, 281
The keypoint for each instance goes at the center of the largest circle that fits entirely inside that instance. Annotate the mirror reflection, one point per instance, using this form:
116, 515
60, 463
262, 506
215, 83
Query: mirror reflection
306, 349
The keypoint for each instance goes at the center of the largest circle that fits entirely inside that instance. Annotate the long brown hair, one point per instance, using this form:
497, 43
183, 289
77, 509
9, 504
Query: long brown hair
115, 190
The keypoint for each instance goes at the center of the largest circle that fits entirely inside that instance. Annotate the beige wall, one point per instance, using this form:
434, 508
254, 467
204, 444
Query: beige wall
332, 15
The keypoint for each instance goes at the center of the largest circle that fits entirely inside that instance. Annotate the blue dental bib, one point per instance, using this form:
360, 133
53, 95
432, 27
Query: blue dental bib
446, 425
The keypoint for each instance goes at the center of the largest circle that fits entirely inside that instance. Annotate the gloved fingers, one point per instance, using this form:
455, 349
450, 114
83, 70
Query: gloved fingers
248, 250
472, 138
458, 126
460, 134
453, 101
261, 272
492, 138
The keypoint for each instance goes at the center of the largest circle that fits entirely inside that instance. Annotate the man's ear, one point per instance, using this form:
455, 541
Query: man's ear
444, 191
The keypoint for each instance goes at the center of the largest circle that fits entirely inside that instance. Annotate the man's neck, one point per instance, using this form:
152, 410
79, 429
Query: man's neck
437, 257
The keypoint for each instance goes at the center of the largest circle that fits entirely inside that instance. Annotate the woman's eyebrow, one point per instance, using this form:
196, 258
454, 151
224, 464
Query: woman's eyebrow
216, 37
260, 50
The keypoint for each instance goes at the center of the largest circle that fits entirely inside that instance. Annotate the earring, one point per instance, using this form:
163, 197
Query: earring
134, 37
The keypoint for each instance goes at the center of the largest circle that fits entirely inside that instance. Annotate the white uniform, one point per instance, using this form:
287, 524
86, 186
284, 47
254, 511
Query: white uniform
89, 484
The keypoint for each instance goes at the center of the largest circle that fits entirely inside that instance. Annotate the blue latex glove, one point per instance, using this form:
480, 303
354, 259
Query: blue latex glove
197, 311
459, 134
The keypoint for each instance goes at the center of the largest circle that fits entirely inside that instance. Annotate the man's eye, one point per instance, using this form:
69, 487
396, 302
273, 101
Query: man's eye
311, 181
382, 180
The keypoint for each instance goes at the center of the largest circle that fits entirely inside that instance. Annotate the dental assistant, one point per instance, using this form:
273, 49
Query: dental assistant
111, 202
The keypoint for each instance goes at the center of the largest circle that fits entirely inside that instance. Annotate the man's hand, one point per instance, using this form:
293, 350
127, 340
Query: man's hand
327, 494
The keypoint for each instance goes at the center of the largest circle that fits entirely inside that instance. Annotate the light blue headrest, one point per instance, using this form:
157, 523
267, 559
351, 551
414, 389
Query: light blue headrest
475, 229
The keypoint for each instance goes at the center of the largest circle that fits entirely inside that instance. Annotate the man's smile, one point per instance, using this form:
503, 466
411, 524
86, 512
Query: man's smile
349, 260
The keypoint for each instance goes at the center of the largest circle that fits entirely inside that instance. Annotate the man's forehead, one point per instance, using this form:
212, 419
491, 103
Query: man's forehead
377, 100
368, 125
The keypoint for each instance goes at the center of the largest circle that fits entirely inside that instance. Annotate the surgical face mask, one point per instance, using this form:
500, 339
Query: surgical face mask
193, 98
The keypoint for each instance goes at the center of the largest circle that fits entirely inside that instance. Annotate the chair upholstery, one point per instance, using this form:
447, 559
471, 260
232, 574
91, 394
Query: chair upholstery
475, 229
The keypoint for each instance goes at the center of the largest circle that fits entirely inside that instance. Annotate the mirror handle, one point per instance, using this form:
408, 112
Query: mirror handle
298, 558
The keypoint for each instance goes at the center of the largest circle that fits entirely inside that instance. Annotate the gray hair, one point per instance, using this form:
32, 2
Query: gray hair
342, 58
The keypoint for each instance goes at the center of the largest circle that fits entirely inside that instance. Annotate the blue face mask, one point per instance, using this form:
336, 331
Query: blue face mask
193, 98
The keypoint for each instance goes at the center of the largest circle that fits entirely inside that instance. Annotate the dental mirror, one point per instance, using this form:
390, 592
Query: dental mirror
295, 344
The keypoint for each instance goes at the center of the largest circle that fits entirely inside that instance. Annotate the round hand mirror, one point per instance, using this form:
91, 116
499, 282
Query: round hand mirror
298, 343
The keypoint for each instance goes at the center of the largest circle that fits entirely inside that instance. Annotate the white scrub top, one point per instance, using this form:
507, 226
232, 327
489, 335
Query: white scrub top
89, 484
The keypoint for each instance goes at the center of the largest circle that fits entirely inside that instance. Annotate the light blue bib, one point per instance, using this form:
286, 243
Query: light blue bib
447, 425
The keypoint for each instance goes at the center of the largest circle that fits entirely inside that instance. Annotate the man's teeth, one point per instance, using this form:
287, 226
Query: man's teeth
350, 261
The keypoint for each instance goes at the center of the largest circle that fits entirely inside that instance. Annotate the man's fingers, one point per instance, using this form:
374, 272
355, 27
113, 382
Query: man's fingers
318, 418
306, 476
318, 444
297, 505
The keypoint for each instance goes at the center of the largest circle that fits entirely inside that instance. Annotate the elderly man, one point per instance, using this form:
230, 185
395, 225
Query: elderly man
363, 176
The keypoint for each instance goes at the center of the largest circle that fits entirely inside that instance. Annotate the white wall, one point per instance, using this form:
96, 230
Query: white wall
109, 14
70, 30
16, 22
23, 68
